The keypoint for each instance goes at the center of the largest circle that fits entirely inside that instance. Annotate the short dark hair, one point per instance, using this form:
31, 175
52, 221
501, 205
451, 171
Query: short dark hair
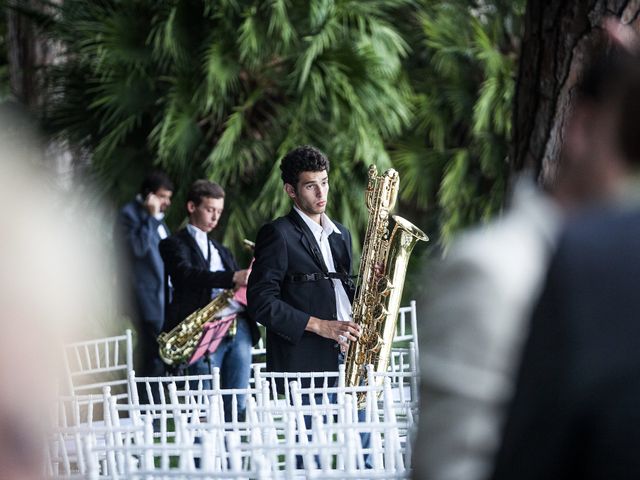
204, 189
302, 159
154, 181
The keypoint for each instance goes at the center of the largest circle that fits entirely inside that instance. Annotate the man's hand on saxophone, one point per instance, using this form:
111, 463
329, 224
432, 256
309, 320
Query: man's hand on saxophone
341, 331
241, 277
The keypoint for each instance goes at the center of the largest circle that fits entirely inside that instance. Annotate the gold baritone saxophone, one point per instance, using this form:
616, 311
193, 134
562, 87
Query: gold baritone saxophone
378, 293
178, 345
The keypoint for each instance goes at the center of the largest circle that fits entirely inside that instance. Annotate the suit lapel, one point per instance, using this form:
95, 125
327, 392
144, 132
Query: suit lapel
194, 246
307, 240
226, 261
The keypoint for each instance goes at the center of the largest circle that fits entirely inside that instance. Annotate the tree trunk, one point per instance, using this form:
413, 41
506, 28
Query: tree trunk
560, 38
28, 51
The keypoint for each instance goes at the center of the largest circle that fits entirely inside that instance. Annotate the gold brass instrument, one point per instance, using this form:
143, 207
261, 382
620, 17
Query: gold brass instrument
178, 345
378, 294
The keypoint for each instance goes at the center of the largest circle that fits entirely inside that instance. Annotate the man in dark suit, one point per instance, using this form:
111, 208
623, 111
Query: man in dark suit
300, 287
575, 411
199, 269
141, 228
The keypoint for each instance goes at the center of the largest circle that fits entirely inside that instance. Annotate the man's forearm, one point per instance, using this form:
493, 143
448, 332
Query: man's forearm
312, 325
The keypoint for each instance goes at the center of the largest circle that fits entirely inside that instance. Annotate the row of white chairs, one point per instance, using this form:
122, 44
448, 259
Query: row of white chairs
198, 390
104, 431
195, 404
172, 433
93, 364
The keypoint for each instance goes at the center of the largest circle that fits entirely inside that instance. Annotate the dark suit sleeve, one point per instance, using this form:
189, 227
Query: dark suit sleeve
349, 286
264, 292
175, 255
537, 439
137, 231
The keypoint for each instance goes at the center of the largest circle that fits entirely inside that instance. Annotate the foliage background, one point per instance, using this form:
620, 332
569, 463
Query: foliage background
4, 60
224, 88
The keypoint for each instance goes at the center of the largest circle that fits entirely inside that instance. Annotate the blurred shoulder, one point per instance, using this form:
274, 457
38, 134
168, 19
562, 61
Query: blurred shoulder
131, 209
177, 239
282, 225
513, 249
600, 233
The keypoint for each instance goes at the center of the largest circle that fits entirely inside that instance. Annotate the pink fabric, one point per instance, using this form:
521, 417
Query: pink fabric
214, 332
212, 335
241, 294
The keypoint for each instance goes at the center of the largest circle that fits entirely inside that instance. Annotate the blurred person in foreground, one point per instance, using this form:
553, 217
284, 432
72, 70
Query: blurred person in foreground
575, 411
141, 227
481, 296
51, 288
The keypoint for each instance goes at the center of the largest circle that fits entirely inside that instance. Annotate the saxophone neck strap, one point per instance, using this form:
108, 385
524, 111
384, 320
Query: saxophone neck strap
316, 277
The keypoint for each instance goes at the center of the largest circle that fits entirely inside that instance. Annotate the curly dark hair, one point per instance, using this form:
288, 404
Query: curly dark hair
302, 159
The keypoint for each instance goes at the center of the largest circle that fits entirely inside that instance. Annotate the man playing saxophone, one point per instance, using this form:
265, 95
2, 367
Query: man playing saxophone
200, 268
300, 287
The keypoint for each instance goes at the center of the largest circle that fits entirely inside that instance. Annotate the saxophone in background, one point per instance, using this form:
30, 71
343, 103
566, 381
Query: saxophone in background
378, 294
178, 345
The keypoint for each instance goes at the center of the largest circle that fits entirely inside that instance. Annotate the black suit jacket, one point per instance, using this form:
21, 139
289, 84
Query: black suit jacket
576, 411
285, 247
191, 279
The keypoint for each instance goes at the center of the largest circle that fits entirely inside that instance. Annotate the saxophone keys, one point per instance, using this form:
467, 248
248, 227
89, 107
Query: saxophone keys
384, 286
370, 299
379, 312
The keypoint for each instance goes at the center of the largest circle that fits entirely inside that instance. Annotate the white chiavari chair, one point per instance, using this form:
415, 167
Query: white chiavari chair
93, 364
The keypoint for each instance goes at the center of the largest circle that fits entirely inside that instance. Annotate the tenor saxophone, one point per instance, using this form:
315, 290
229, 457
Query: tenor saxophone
383, 267
178, 345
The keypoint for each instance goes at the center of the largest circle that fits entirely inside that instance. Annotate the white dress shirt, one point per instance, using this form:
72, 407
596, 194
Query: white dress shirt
321, 234
162, 232
215, 263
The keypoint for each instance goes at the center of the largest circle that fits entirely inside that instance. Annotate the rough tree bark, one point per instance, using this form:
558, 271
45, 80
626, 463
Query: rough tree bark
28, 52
559, 39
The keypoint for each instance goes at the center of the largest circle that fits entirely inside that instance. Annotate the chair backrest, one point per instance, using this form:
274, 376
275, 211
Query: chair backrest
79, 410
406, 326
91, 365
156, 388
259, 352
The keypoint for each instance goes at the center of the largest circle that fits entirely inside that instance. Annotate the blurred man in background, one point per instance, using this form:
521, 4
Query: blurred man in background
141, 228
